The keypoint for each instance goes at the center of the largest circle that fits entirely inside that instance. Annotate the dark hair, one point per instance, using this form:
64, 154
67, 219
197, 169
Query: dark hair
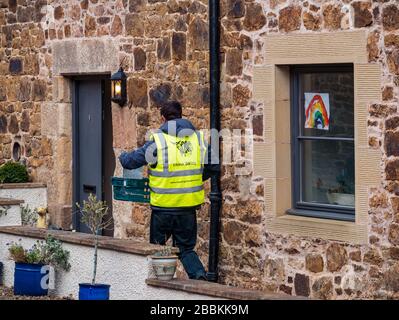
171, 110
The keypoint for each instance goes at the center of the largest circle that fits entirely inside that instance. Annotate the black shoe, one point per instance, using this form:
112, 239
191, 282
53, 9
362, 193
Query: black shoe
202, 277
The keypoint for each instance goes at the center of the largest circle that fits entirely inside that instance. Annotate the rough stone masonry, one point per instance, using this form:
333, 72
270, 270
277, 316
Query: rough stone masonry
164, 47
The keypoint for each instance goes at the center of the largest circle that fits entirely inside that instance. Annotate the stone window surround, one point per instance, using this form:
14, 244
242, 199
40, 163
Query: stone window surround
272, 157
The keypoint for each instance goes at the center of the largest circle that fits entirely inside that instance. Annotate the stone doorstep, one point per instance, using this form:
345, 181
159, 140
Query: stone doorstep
219, 290
121, 245
10, 202
30, 185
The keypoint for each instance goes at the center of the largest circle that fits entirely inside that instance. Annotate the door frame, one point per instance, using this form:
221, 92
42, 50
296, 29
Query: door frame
75, 141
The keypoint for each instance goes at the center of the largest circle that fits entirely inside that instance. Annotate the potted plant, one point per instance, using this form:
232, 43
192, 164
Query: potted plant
164, 263
31, 275
343, 194
94, 214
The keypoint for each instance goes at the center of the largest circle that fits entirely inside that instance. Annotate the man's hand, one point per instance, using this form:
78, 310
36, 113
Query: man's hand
137, 158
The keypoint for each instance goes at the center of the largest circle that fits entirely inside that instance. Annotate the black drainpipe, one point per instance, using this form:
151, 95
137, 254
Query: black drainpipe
215, 195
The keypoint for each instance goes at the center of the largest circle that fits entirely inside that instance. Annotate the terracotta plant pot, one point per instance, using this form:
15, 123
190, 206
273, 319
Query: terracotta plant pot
164, 266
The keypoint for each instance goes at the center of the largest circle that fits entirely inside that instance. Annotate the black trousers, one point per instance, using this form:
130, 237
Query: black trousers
183, 229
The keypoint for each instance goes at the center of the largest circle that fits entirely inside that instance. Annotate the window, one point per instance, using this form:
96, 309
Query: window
322, 121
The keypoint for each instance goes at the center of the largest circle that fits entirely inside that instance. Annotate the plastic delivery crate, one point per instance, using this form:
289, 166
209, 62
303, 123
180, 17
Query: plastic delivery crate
128, 189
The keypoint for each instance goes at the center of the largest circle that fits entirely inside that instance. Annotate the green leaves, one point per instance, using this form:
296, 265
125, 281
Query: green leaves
34, 255
94, 213
166, 251
13, 172
49, 252
28, 216
17, 252
53, 254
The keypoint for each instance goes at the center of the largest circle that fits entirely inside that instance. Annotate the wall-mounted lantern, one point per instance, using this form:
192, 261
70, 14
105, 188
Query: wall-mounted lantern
118, 87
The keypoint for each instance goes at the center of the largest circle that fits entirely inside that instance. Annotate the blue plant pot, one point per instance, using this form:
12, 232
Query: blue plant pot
31, 279
88, 291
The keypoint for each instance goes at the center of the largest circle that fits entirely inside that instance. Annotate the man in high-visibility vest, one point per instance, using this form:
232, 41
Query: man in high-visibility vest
176, 155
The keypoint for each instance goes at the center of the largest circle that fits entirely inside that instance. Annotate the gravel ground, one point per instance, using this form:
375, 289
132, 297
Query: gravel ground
7, 294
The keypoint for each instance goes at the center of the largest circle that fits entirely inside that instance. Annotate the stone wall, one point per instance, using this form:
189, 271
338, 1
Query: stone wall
24, 86
163, 47
300, 265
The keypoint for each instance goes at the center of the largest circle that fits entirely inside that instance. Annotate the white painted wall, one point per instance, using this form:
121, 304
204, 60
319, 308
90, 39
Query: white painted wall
125, 272
33, 197
13, 217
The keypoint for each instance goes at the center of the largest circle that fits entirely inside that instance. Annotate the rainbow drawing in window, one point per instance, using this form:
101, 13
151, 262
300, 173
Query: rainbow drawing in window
317, 111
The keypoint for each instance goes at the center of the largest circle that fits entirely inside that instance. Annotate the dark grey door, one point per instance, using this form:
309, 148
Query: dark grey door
88, 116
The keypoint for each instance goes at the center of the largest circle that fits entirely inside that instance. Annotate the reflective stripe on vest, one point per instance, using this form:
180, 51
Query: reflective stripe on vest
176, 181
180, 173
177, 190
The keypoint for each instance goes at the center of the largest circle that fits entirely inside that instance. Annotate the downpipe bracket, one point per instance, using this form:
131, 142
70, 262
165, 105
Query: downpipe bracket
215, 197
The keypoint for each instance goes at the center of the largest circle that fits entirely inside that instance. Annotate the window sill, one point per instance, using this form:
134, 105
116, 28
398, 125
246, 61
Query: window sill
322, 215
328, 229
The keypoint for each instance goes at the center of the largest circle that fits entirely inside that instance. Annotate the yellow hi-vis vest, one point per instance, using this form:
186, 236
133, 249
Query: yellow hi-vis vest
176, 180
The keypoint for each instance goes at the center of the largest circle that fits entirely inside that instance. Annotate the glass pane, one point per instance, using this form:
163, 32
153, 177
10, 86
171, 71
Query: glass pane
328, 172
330, 92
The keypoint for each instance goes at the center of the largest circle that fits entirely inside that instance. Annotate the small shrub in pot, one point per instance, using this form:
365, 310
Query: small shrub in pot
164, 263
31, 273
94, 214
